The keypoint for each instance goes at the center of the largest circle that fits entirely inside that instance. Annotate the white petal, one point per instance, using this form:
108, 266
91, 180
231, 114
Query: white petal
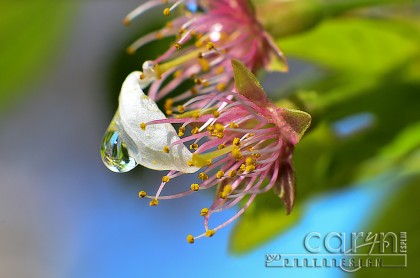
146, 146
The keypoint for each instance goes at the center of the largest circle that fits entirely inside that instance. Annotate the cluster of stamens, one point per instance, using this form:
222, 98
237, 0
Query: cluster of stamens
235, 151
206, 39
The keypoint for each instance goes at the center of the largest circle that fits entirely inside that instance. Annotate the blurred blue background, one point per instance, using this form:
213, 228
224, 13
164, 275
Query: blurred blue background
63, 214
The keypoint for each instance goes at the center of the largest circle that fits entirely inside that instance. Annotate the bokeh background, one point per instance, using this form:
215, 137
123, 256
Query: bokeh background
63, 214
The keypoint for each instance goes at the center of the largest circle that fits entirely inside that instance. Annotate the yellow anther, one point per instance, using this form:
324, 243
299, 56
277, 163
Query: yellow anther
195, 187
166, 149
181, 108
217, 134
194, 146
181, 131
143, 126
250, 135
177, 74
190, 239
194, 91
236, 153
242, 168
210, 45
210, 233
256, 155
233, 125
250, 168
220, 174
216, 114
232, 173
126, 21
249, 161
169, 24
177, 45
237, 141
154, 202
203, 176
196, 115
205, 83
204, 211
221, 146
166, 11
198, 81
131, 50
195, 130
209, 162
168, 104
220, 69
223, 195
219, 127
190, 163
198, 43
169, 112
205, 65
159, 35
210, 128
165, 179
142, 76
221, 87
142, 194
250, 148
228, 189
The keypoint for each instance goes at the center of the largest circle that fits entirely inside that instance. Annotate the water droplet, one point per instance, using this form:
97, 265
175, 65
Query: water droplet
114, 152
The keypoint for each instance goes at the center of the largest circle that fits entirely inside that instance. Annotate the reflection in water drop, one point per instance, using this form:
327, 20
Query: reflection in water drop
114, 152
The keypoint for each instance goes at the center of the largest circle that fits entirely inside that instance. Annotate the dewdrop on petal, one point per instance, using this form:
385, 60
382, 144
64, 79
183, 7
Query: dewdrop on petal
128, 140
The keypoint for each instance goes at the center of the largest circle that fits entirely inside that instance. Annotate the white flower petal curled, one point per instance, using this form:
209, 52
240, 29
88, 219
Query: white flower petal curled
146, 146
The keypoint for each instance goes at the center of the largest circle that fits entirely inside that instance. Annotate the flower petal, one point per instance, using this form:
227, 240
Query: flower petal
146, 146
285, 186
296, 123
248, 85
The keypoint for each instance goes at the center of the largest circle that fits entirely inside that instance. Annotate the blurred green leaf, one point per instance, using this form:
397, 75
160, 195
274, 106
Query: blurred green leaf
364, 46
397, 216
30, 37
264, 219
403, 152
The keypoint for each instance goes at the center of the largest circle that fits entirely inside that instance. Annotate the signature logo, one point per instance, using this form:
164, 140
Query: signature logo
348, 252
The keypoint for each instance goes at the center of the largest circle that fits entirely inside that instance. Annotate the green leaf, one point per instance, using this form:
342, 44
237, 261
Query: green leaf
402, 153
263, 220
356, 45
30, 39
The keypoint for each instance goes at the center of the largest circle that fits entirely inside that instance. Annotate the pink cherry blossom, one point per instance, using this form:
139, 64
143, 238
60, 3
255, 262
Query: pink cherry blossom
242, 144
208, 34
